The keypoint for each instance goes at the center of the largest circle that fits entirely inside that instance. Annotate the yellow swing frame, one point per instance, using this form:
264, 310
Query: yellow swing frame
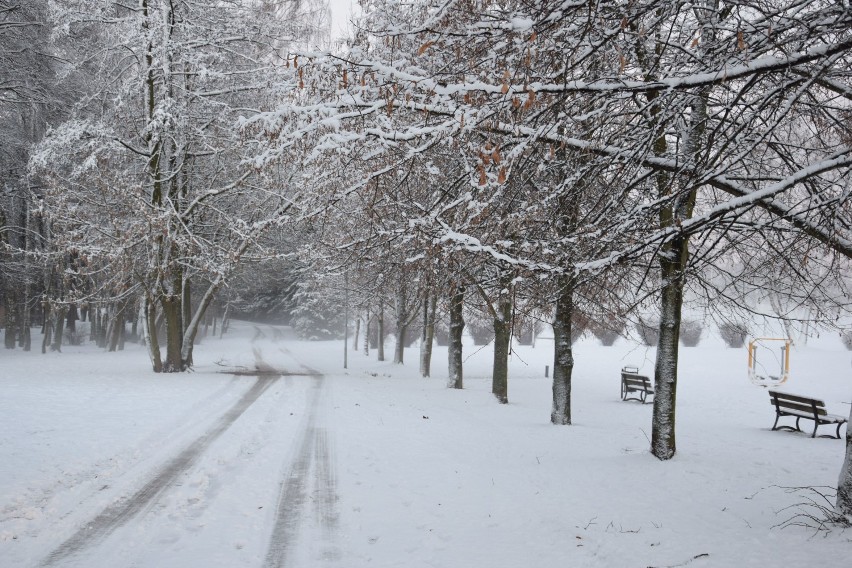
766, 381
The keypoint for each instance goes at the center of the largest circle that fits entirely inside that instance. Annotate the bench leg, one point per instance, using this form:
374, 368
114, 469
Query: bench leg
838, 430
816, 425
797, 425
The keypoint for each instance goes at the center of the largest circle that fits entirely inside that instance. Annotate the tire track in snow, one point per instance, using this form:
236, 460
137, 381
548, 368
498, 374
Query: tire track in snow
313, 453
326, 494
117, 514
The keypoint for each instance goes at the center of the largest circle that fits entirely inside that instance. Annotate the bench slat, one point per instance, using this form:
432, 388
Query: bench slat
795, 398
799, 407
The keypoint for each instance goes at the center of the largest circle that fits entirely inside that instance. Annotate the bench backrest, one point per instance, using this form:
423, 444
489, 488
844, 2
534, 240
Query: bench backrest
796, 402
635, 380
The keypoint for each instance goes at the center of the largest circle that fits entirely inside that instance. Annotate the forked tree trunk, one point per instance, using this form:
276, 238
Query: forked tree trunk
456, 375
563, 356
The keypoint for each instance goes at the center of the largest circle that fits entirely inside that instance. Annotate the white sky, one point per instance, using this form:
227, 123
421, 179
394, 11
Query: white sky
341, 13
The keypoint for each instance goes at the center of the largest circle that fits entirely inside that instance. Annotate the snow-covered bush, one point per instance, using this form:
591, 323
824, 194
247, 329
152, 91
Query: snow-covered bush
846, 338
690, 332
649, 332
482, 334
607, 332
733, 334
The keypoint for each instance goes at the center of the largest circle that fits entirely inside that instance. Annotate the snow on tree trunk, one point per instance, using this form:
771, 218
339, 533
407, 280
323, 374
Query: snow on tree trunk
563, 357
672, 262
367, 334
357, 333
844, 484
455, 380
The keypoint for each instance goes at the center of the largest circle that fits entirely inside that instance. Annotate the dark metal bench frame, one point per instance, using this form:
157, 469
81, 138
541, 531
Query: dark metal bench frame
632, 381
803, 407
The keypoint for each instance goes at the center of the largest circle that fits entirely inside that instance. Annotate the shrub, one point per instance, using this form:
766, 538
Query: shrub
690, 332
846, 337
482, 334
607, 332
733, 334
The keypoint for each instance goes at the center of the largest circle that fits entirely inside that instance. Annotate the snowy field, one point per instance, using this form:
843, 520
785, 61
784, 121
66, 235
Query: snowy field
105, 464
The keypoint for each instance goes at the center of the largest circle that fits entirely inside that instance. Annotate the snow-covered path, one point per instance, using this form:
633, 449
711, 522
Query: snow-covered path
176, 470
271, 455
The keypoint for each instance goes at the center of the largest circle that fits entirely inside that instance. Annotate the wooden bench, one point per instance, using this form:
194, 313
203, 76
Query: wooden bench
632, 381
803, 407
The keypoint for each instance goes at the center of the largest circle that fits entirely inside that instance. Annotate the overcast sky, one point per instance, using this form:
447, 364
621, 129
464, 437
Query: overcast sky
341, 13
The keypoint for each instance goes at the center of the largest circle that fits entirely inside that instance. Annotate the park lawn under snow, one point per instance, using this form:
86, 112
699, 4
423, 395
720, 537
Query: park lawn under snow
105, 464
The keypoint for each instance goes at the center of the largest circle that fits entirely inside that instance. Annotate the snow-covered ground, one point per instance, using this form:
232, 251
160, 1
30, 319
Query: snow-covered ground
105, 464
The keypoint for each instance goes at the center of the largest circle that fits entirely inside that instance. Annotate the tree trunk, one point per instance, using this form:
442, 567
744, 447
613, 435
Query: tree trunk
401, 325
844, 484
563, 356
399, 348
357, 333
116, 328
502, 340
186, 305
59, 324
11, 338
672, 262
153, 341
93, 323
103, 320
47, 329
456, 375
367, 334
380, 322
134, 329
71, 318
174, 334
122, 331
188, 340
223, 327
429, 305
